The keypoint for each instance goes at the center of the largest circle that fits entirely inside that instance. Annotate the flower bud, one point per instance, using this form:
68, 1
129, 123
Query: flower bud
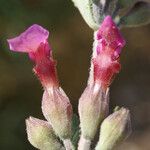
107, 50
58, 111
41, 135
93, 107
114, 129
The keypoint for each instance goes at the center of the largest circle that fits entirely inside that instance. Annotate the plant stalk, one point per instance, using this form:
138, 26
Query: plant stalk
84, 144
68, 144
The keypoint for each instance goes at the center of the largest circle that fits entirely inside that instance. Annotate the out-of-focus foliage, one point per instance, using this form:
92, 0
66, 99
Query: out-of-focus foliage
139, 15
71, 40
122, 11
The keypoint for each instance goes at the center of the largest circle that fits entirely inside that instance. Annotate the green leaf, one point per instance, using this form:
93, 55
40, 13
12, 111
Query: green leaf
124, 6
139, 15
98, 8
129, 3
85, 8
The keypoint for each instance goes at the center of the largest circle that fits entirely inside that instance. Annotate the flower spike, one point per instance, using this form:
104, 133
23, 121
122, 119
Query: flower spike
94, 102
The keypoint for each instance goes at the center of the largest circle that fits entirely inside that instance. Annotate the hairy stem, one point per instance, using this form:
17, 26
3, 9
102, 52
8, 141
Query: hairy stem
84, 144
91, 77
68, 144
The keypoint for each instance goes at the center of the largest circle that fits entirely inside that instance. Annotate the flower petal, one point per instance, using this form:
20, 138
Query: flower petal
110, 34
29, 40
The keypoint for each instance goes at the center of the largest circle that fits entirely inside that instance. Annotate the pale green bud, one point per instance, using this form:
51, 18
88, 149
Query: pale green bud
57, 110
41, 135
93, 108
114, 129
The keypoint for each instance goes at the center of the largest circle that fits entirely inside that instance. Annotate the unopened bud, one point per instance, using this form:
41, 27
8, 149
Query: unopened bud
41, 135
58, 111
107, 46
93, 107
114, 129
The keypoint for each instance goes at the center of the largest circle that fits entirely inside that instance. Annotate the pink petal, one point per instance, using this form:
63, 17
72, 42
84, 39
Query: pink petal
105, 69
45, 67
110, 34
29, 40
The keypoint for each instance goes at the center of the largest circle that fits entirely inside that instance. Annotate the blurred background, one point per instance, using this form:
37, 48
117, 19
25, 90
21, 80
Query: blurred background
71, 40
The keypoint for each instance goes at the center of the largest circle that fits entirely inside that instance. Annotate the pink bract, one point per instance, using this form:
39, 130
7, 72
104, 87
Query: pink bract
29, 40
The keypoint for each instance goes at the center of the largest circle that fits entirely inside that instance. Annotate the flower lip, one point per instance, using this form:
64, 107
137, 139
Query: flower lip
29, 40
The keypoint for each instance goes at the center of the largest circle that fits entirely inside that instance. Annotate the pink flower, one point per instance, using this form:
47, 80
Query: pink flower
109, 43
34, 42
56, 106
